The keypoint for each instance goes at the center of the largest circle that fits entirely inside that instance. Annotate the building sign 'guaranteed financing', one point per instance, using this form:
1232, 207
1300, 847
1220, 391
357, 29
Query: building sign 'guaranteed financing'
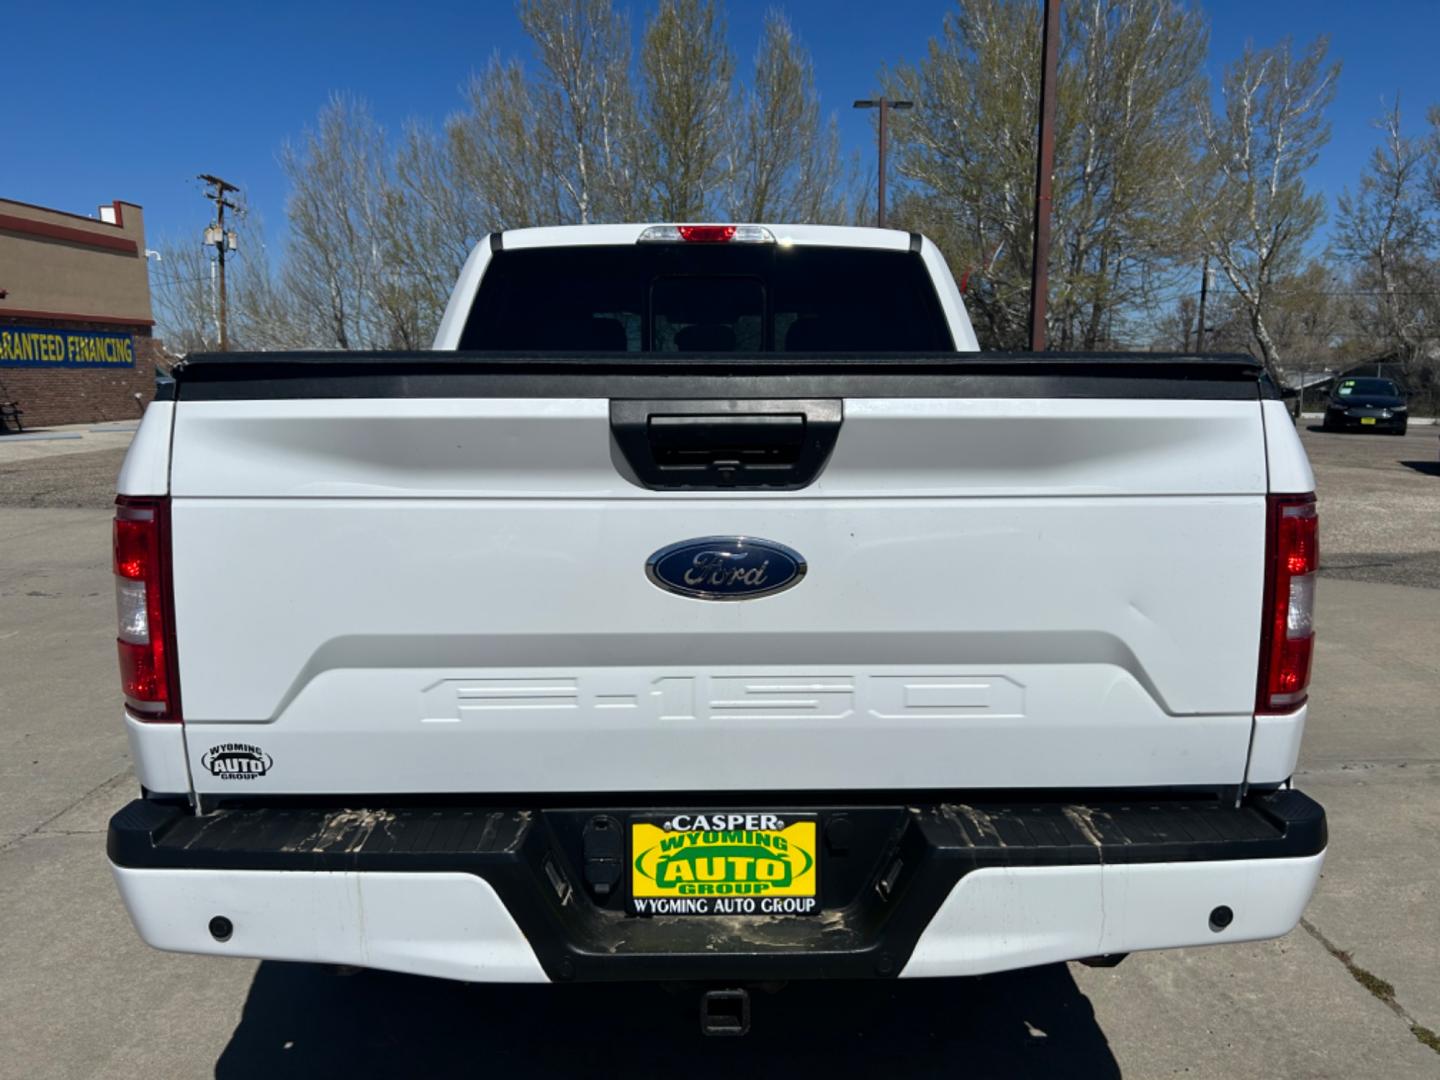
27, 346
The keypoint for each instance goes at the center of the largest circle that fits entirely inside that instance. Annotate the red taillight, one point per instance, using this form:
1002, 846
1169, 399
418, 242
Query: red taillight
1287, 637
146, 636
706, 234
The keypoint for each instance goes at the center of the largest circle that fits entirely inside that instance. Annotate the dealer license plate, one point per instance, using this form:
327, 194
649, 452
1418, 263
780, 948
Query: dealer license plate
739, 862
1367, 420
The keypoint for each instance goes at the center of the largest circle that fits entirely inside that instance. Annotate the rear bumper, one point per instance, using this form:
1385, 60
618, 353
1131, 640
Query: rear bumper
499, 894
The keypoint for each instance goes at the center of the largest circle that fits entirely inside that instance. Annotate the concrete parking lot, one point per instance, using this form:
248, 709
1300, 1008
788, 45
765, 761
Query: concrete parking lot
1354, 992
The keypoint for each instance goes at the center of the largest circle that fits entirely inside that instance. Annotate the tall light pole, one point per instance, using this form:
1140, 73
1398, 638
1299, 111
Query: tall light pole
217, 189
884, 105
1044, 168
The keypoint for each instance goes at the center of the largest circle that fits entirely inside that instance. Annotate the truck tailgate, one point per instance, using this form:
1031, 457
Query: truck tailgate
447, 594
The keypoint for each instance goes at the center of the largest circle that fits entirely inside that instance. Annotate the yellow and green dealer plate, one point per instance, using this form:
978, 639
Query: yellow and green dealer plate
724, 863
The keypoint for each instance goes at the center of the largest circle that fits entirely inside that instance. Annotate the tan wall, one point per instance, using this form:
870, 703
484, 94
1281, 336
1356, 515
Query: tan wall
72, 268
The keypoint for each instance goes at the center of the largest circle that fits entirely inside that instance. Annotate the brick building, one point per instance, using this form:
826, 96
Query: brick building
75, 317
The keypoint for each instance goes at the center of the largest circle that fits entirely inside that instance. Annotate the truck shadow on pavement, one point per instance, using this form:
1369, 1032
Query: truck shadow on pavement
1429, 468
302, 1020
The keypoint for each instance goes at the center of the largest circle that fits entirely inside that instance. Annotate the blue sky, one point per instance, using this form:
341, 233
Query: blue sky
129, 102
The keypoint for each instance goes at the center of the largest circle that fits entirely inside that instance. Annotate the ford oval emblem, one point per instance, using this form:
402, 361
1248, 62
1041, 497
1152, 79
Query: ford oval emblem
726, 568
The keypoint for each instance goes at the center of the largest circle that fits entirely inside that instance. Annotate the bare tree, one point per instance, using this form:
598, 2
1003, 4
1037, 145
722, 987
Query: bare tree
339, 263
437, 213
1133, 68
786, 160
1175, 329
186, 303
583, 105
262, 312
1128, 71
501, 153
968, 154
1432, 152
378, 228
184, 286
687, 69
1388, 233
1253, 211
1308, 317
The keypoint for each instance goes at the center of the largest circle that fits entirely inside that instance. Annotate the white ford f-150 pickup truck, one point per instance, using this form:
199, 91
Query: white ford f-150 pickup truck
707, 607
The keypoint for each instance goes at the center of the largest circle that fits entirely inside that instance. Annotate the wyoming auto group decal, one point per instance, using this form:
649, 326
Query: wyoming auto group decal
236, 761
724, 864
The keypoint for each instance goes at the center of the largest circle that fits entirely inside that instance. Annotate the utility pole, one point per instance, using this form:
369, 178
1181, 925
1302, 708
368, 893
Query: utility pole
884, 105
216, 190
1204, 289
1044, 168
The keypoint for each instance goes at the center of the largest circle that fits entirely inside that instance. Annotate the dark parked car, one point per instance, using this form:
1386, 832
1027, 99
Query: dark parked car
1367, 404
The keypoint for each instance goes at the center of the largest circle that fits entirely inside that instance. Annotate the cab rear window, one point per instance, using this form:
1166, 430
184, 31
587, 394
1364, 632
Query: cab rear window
712, 298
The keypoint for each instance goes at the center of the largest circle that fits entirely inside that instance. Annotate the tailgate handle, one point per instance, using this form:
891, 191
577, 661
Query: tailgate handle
778, 444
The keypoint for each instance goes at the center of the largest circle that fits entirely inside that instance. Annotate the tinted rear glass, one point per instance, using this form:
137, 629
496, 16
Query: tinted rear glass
706, 298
